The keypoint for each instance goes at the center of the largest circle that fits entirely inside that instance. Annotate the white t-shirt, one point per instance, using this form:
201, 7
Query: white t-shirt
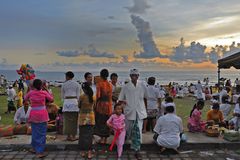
225, 108
169, 128
11, 94
153, 96
21, 116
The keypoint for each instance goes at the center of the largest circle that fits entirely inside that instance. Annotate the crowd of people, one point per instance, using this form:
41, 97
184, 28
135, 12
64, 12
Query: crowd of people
101, 107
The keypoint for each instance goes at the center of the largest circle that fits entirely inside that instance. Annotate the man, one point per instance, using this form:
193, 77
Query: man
199, 90
89, 79
154, 104
11, 98
134, 95
114, 79
70, 94
168, 128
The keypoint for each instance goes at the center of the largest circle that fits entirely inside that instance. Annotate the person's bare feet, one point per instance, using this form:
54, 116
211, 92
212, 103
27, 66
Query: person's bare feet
90, 156
32, 151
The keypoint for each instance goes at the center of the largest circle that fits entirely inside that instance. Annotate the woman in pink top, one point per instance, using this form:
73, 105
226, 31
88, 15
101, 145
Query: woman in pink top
195, 124
117, 123
38, 117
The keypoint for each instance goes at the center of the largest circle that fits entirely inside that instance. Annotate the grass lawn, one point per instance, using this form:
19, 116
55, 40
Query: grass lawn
183, 106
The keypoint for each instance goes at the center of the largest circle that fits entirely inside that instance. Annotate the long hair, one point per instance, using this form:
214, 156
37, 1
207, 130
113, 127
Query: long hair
199, 103
88, 91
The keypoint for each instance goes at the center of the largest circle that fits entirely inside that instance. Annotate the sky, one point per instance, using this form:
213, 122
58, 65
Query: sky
89, 35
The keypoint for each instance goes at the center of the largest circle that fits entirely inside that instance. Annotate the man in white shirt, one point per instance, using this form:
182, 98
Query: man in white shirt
11, 98
153, 103
70, 93
169, 127
199, 90
134, 95
114, 79
22, 114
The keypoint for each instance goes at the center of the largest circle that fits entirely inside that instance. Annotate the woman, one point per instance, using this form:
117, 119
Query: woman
104, 106
215, 115
86, 120
195, 124
38, 117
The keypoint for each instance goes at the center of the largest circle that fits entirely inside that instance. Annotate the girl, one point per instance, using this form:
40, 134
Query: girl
86, 120
117, 123
38, 117
195, 124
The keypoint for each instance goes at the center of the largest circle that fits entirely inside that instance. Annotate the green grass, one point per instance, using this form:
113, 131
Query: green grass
183, 106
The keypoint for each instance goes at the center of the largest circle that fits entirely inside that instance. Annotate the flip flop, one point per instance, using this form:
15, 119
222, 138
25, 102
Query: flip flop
32, 151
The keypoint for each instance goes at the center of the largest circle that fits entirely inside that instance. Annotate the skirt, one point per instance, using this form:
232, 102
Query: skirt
101, 129
70, 123
39, 131
85, 137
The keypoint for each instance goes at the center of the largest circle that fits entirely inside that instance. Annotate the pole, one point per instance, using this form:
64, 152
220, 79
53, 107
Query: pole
218, 76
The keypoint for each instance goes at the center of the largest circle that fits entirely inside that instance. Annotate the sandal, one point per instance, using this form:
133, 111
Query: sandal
32, 151
162, 150
41, 155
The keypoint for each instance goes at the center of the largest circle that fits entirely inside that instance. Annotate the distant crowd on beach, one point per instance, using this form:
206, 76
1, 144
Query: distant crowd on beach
102, 107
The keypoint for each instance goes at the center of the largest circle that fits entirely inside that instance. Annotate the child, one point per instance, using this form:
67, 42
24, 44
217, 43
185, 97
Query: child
117, 123
195, 124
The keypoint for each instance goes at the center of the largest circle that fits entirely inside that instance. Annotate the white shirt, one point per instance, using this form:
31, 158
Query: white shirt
169, 128
70, 88
11, 94
225, 108
153, 96
134, 97
21, 116
199, 87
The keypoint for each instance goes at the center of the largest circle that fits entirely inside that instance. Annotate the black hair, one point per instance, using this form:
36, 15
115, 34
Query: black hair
113, 75
104, 74
87, 74
69, 74
225, 99
37, 83
88, 91
215, 106
199, 103
169, 109
118, 104
60, 110
151, 80
169, 99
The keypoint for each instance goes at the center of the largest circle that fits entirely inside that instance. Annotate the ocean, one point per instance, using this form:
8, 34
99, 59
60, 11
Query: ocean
162, 77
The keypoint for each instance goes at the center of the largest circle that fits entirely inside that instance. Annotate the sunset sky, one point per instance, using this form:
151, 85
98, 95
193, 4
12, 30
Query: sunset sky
84, 35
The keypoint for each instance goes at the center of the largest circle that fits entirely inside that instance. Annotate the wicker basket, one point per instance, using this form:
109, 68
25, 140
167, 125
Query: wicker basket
212, 132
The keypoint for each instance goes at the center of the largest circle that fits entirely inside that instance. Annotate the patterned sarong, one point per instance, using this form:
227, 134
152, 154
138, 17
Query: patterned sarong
135, 137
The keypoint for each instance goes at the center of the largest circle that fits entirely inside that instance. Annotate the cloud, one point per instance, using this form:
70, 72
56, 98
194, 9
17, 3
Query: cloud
69, 53
197, 52
145, 38
111, 17
139, 7
40, 54
91, 52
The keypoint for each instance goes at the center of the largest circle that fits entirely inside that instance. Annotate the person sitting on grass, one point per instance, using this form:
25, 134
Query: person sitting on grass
195, 124
225, 107
22, 114
169, 127
215, 116
235, 121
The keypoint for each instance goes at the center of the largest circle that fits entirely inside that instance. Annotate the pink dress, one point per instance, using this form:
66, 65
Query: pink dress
38, 113
118, 123
195, 124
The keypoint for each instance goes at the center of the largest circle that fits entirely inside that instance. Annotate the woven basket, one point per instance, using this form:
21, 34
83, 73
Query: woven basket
212, 132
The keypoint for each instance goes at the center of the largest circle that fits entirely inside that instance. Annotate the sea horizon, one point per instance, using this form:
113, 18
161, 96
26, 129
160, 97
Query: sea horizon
162, 77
